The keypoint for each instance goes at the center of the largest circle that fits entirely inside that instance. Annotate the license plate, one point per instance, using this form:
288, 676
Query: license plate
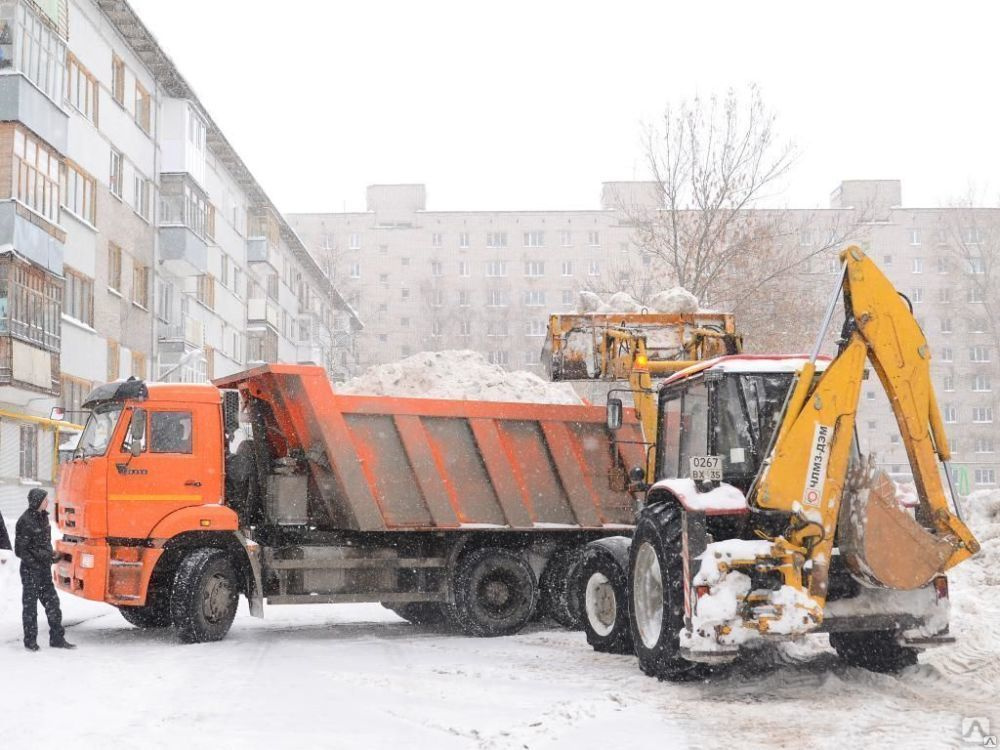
706, 468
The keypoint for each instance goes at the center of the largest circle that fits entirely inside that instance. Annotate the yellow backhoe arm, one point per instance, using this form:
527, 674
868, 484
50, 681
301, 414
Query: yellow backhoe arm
807, 472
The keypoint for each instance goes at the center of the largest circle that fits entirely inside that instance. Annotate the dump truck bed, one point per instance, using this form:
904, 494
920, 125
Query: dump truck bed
380, 463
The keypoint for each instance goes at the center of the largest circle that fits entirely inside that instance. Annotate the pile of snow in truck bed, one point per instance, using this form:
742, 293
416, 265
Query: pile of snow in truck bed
456, 374
675, 301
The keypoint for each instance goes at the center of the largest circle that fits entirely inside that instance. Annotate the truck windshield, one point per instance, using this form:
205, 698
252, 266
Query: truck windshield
97, 433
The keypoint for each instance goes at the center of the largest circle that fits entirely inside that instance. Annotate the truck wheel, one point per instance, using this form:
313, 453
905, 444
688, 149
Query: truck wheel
656, 590
876, 651
419, 613
603, 587
495, 592
555, 592
154, 614
204, 596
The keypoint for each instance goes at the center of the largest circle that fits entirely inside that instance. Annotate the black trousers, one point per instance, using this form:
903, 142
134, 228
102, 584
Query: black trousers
37, 586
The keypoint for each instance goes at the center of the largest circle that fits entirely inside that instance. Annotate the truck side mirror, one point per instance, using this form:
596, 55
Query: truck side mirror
137, 431
614, 413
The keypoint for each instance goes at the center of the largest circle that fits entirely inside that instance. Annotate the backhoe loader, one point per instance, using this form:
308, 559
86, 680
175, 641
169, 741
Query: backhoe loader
763, 521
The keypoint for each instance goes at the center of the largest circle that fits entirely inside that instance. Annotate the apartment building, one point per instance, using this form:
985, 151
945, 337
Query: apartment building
487, 280
135, 240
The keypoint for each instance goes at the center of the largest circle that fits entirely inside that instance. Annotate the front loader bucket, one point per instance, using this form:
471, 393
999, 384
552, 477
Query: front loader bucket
882, 543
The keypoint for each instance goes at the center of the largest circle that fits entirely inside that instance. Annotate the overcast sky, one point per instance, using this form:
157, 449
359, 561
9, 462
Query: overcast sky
520, 105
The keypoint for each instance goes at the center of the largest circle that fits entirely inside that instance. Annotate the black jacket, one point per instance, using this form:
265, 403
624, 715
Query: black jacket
4, 538
33, 539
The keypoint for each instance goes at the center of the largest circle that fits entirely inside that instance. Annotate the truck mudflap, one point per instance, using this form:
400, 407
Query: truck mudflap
255, 587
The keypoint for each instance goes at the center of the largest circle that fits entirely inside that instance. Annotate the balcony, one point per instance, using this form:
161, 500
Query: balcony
21, 101
188, 331
182, 252
25, 367
24, 230
261, 251
263, 311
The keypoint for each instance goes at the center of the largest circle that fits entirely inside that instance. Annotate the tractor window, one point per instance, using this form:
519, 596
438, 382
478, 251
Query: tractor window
694, 425
748, 407
170, 432
669, 445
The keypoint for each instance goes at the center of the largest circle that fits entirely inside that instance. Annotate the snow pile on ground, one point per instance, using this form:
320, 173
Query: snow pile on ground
461, 375
674, 301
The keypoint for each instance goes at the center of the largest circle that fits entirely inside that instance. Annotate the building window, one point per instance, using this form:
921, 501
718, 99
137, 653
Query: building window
404, 322
982, 414
986, 476
595, 268
978, 325
914, 237
140, 285
872, 424
404, 261
463, 239
73, 393
81, 89
918, 265
183, 203
497, 298
971, 235
355, 241
943, 265
979, 354
141, 196
114, 360
206, 291
944, 295
949, 414
496, 328
534, 239
534, 268
886, 260
496, 239
114, 267
437, 268
273, 286
436, 328
566, 238
948, 383
498, 357
165, 301
437, 298
567, 296
977, 265
36, 171
118, 79
945, 325
870, 395
30, 303
116, 177
975, 296
918, 296
946, 354
534, 298
465, 328
78, 193
567, 268
594, 238
463, 268
532, 357
984, 445
981, 383
404, 293
355, 270
78, 297
436, 239
496, 268
139, 365
383, 278
262, 346
463, 298
29, 452
806, 238
143, 108
534, 328
35, 48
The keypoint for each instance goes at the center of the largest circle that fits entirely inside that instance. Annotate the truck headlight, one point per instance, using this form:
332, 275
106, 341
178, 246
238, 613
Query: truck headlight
86, 560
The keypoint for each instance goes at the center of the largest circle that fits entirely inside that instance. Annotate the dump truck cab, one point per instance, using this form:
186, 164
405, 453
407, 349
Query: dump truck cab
148, 465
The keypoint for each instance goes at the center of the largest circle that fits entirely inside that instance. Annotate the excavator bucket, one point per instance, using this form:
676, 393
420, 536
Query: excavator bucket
882, 543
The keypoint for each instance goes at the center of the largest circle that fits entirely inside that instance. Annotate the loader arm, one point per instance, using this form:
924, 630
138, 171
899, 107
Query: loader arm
807, 472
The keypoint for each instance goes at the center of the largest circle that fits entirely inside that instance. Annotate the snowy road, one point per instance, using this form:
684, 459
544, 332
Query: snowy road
343, 676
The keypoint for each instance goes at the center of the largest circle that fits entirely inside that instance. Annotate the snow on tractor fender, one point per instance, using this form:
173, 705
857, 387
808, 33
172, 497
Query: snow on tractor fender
722, 500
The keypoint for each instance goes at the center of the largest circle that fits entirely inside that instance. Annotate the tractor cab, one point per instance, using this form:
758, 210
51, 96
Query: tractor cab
716, 419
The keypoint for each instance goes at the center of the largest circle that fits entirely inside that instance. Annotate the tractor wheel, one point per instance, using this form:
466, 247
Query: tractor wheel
656, 591
603, 583
495, 592
876, 651
204, 596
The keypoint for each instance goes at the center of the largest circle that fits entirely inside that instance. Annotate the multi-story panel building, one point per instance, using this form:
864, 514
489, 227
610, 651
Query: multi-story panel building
487, 280
129, 241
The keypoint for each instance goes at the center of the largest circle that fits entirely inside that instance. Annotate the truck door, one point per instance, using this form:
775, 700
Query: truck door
165, 472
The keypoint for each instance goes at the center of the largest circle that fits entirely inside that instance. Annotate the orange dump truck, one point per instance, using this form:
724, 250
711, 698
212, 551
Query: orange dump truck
179, 498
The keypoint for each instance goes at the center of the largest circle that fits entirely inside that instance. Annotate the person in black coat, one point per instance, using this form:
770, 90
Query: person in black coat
33, 544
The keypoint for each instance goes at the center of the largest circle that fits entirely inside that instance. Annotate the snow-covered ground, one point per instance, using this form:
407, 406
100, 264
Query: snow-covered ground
351, 675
